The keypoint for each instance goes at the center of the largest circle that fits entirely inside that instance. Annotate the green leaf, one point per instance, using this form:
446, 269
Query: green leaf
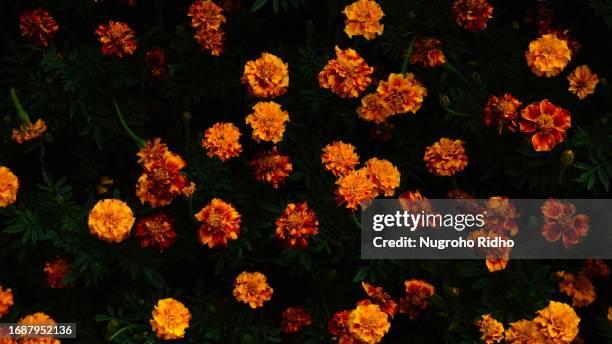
258, 4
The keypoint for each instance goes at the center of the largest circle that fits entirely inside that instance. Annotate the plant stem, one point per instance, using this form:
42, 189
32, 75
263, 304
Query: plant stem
139, 142
407, 57
23, 115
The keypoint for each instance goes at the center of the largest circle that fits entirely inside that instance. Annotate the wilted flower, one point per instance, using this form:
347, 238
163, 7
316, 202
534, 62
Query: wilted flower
347, 75
266, 76
38, 26
363, 19
56, 270
169, 319
252, 288
268, 121
561, 221
339, 158
595, 268
402, 93
415, 301
295, 319
492, 331
582, 81
472, 15
222, 140
502, 112
384, 175
271, 167
156, 60
546, 123
29, 131
156, 231
111, 220
117, 39
558, 323
373, 108
295, 224
355, 189
9, 186
427, 53
548, 55
445, 157
220, 223
6, 300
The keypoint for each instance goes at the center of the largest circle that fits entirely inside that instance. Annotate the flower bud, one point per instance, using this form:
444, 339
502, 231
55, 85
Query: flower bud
567, 158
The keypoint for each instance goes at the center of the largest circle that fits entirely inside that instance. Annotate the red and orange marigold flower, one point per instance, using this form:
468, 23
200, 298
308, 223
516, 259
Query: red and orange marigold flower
427, 53
56, 270
548, 55
402, 93
169, 319
384, 175
501, 216
578, 287
337, 326
38, 26
558, 323
295, 319
417, 294
156, 60
472, 15
373, 108
252, 288
348, 75
156, 231
491, 330
502, 112
562, 222
9, 186
363, 19
271, 167
296, 224
266, 76
523, 332
117, 39
380, 297
206, 20
220, 223
445, 157
268, 122
111, 220
355, 189
546, 123
6, 300
368, 323
29, 131
222, 140
414, 202
339, 158
582, 81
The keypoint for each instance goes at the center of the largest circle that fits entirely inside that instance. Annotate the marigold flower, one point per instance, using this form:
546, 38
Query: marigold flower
548, 55
548, 123
105, 183
355, 189
472, 15
558, 323
38, 26
295, 319
502, 112
384, 175
339, 158
496, 264
156, 60
7, 340
222, 140
29, 131
579, 288
501, 216
445, 157
111, 220
266, 76
56, 270
338, 327
368, 323
295, 224
415, 301
373, 108
206, 19
610, 313
156, 231
169, 319
252, 288
595, 268
523, 332
6, 300
492, 330
363, 19
38, 319
347, 75
582, 81
9, 186
380, 297
220, 223
271, 167
117, 39
152, 153
427, 53
402, 93
561, 221
268, 121
414, 202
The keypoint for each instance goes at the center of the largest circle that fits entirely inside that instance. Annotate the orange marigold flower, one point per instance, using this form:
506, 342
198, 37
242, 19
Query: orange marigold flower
29, 131
610, 313
6, 340
211, 40
295, 224
380, 297
38, 26
56, 270
355, 189
445, 157
492, 330
169, 319
502, 112
38, 319
252, 288
117, 39
472, 15
222, 140
595, 268
268, 121
9, 186
271, 167
415, 301
414, 202
156, 231
523, 332
156, 60
582, 81
111, 220
547, 122
558, 323
266, 76
384, 175
579, 288
363, 19
548, 55
220, 223
368, 323
561, 221
206, 19
501, 216
295, 319
427, 53
402, 93
338, 327
347, 75
152, 153
6, 300
373, 108
105, 183
496, 264
339, 158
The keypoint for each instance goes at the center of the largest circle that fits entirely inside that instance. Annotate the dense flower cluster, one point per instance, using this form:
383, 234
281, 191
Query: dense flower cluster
545, 123
268, 122
206, 19
220, 223
445, 157
117, 39
222, 140
156, 231
271, 167
111, 220
295, 319
56, 270
252, 288
296, 224
9, 186
38, 26
363, 19
266, 76
169, 319
348, 75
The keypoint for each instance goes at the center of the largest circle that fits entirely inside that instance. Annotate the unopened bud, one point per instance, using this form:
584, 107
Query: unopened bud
567, 158
444, 100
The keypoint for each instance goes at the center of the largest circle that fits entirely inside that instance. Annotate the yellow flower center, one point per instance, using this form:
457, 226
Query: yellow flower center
215, 219
545, 122
294, 221
396, 100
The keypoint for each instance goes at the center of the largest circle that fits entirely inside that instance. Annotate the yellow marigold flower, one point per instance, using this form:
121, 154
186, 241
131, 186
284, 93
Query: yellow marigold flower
548, 55
220, 223
29, 131
252, 288
402, 93
222, 140
105, 183
355, 188
558, 323
492, 330
295, 224
268, 121
363, 19
6, 300
524, 332
427, 53
347, 75
56, 270
206, 19
582, 81
266, 76
38, 26
579, 288
373, 108
117, 39
111, 220
445, 157
9, 185
384, 175
38, 319
271, 167
368, 323
339, 158
473, 15
169, 319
